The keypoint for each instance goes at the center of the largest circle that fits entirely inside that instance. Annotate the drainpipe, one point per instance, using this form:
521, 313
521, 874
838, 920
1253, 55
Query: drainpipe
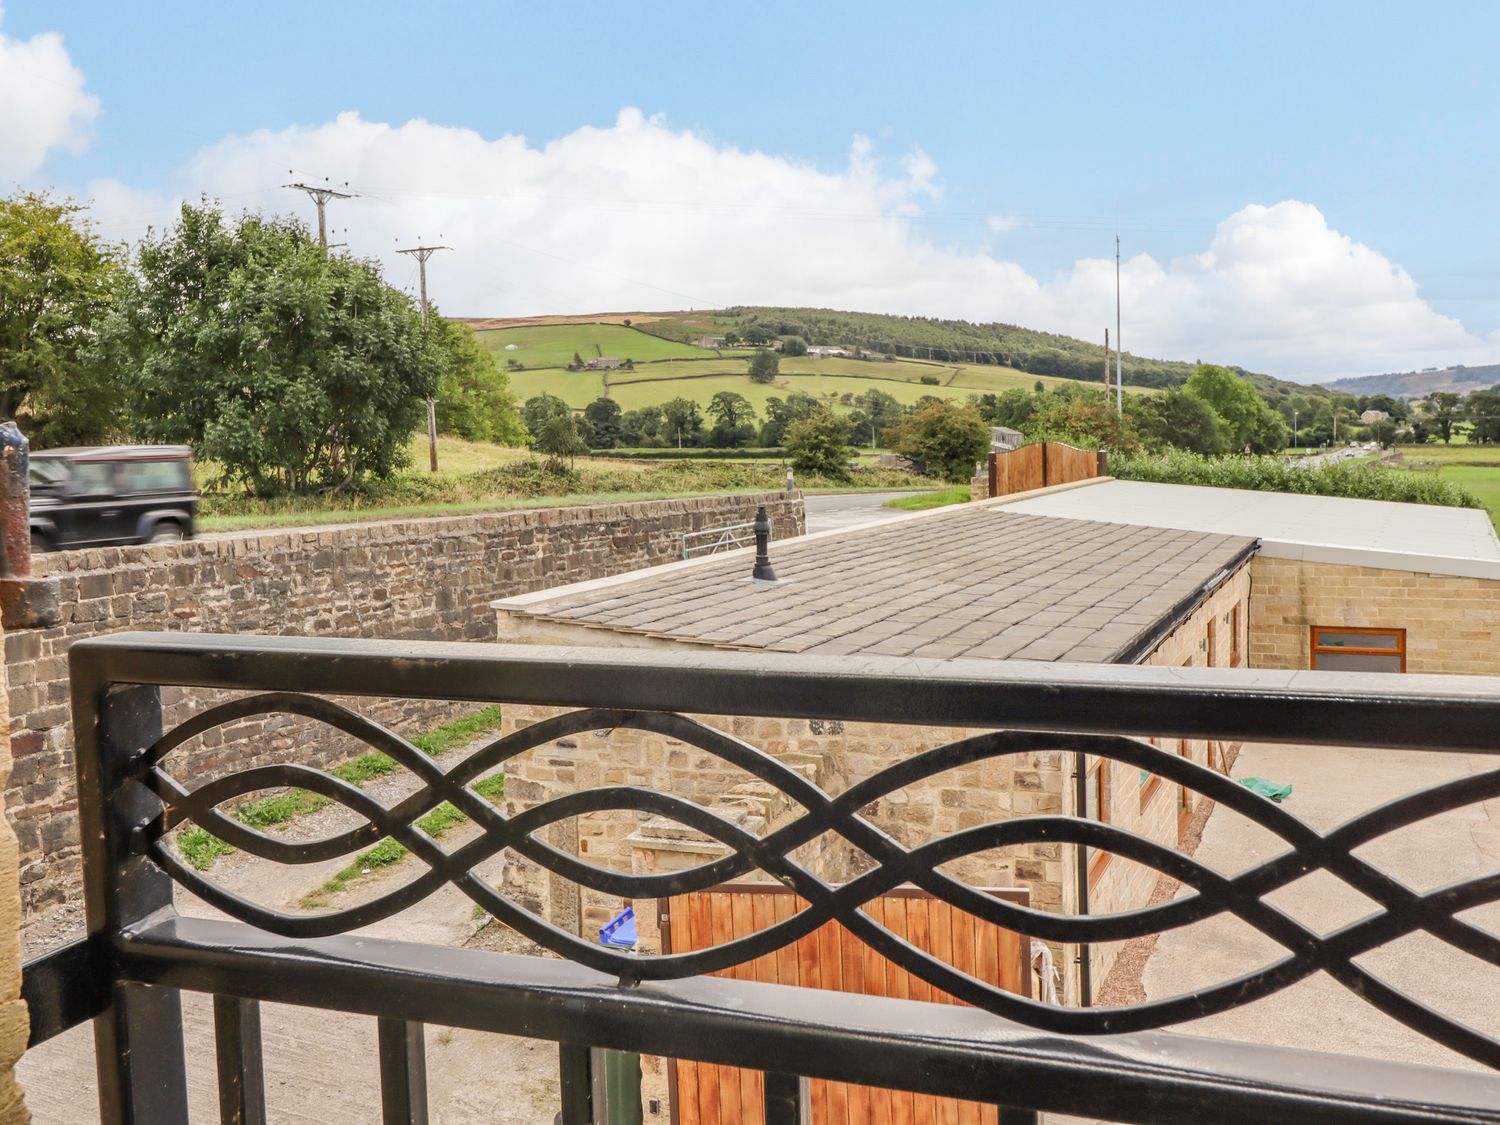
1081, 799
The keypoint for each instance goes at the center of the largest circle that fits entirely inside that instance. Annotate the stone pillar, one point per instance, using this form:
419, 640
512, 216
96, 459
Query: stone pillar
14, 1023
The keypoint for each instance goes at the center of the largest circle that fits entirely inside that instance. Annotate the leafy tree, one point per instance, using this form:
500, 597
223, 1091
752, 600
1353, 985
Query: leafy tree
781, 413
758, 335
1445, 408
1039, 387
1249, 420
1014, 408
818, 444
793, 345
763, 366
537, 410
734, 419
560, 438
1384, 432
57, 283
1177, 418
294, 369
681, 422
577, 364
603, 416
474, 399
642, 427
1483, 409
948, 437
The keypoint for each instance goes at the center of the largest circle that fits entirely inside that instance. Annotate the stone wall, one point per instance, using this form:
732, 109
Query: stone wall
430, 579
834, 756
1452, 624
14, 1020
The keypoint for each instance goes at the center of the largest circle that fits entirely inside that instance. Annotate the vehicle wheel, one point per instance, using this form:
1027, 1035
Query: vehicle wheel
166, 533
40, 545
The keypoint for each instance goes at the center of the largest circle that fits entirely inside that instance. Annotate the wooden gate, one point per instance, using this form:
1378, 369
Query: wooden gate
831, 957
1041, 464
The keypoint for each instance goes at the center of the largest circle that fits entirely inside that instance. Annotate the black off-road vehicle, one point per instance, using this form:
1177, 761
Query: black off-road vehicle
111, 495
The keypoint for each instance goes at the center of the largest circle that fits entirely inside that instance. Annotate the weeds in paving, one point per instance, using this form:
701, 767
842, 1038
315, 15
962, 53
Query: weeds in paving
268, 812
200, 847
439, 821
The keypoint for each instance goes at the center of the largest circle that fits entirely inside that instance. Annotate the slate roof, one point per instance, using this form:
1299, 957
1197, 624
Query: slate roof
972, 581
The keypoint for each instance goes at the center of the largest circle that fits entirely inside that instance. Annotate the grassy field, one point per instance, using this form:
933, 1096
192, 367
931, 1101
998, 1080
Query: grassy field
1474, 467
553, 345
1452, 454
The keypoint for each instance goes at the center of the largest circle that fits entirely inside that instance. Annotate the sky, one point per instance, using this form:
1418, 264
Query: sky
1301, 189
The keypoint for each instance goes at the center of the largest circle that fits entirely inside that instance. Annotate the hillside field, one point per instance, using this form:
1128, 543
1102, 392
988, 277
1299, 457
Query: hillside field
667, 369
1474, 467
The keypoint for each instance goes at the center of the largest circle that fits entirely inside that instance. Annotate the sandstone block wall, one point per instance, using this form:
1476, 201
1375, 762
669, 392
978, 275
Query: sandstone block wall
430, 579
1452, 624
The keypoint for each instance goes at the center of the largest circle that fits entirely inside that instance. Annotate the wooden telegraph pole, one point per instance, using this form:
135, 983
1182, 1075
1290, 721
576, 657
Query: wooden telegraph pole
422, 253
321, 196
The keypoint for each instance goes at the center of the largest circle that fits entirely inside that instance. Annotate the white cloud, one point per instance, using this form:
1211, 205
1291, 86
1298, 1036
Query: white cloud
638, 215
43, 104
1004, 224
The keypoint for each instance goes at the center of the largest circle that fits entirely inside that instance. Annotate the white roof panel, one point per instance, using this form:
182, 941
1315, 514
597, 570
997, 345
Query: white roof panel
1378, 533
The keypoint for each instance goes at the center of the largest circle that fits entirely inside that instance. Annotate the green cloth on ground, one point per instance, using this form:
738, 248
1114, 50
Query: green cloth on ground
1267, 788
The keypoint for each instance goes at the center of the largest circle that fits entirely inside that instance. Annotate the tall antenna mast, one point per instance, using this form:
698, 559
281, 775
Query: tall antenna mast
1119, 348
422, 253
321, 195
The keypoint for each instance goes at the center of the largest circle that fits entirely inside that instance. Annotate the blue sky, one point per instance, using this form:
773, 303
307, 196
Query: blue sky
1036, 132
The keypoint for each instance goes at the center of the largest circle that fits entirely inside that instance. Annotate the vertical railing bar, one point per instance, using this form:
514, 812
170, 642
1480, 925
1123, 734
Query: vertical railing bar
237, 1044
783, 1099
574, 1067
1011, 1116
403, 1072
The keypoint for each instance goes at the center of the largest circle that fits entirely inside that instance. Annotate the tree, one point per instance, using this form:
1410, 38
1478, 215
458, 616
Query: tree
781, 413
537, 410
603, 417
681, 423
577, 364
1444, 406
1039, 387
1178, 418
1483, 410
474, 399
818, 445
57, 283
1249, 420
1384, 432
642, 427
734, 419
947, 437
764, 366
560, 438
293, 369
793, 345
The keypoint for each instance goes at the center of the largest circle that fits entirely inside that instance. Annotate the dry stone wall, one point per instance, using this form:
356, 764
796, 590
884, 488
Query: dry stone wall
429, 579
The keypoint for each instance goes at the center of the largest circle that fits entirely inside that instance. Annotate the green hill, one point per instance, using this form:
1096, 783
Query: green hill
1420, 384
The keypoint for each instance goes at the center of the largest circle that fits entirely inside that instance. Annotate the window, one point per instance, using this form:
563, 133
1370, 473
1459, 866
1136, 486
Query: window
1345, 649
1096, 807
93, 478
156, 476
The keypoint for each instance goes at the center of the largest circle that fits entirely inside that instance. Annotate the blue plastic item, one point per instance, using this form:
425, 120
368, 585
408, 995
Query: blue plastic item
619, 930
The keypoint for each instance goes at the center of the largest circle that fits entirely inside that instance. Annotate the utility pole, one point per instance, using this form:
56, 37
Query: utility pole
321, 196
1119, 349
1295, 443
422, 253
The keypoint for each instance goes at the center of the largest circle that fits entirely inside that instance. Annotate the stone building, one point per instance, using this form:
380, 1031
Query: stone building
978, 582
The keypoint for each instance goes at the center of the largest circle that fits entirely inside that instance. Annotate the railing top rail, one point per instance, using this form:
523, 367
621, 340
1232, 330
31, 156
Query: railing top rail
1328, 708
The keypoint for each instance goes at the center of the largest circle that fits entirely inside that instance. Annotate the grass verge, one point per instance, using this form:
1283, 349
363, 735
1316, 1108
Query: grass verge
200, 848
959, 494
436, 823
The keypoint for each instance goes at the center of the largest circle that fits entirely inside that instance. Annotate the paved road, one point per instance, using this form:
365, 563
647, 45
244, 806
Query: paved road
1342, 453
850, 509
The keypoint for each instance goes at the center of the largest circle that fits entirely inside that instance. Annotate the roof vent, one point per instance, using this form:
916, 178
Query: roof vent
763, 571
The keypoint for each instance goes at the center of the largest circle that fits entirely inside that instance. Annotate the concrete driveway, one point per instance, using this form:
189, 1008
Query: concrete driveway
1331, 786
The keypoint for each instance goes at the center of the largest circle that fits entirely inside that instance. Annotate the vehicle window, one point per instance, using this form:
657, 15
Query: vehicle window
94, 478
156, 476
48, 472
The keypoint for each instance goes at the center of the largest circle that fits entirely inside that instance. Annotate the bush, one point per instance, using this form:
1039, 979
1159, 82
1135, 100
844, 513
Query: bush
763, 366
947, 437
931, 380
819, 445
1359, 480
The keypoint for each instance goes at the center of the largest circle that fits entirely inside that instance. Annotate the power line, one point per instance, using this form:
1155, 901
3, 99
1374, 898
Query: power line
421, 254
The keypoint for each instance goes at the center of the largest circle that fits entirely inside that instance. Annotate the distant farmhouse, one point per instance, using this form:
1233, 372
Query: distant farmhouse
826, 350
710, 342
601, 363
1370, 417
1097, 571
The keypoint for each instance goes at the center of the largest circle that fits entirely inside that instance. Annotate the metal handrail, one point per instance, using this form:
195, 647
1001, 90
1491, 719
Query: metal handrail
1018, 1054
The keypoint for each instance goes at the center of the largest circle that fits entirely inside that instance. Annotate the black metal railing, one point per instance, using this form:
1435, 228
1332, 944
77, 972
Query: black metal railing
1007, 1050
